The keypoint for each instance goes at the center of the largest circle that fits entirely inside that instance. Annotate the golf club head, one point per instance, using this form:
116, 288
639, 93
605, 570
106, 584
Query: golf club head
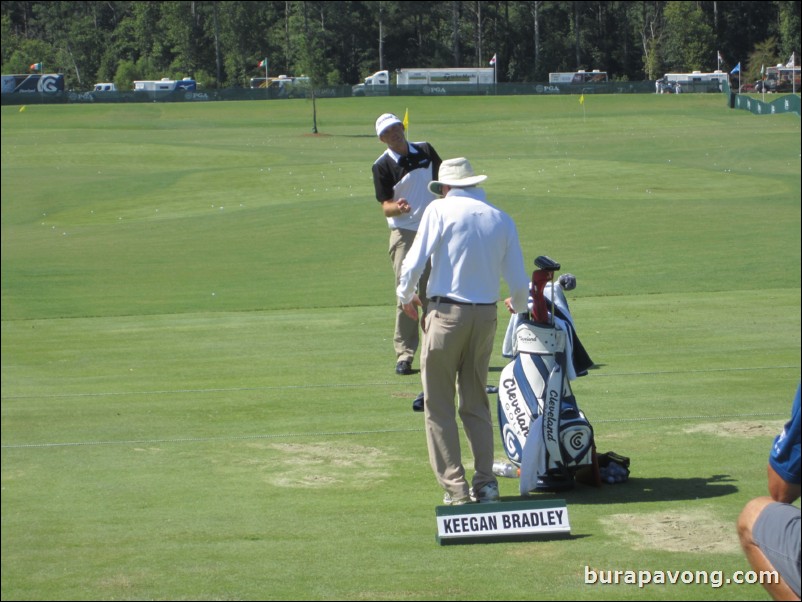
544, 262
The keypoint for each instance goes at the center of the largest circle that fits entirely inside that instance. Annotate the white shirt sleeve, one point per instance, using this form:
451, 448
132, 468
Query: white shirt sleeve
515, 273
415, 261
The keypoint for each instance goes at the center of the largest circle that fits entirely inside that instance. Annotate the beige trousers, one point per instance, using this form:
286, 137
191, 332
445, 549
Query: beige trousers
406, 338
455, 357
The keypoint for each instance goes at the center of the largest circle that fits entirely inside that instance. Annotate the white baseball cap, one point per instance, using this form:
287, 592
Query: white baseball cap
385, 121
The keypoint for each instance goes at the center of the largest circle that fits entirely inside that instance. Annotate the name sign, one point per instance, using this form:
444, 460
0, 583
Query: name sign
502, 521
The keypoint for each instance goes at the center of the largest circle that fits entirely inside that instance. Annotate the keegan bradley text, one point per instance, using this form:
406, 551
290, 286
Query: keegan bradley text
502, 521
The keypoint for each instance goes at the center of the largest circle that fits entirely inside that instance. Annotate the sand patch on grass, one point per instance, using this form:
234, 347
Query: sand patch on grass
741, 428
325, 464
693, 531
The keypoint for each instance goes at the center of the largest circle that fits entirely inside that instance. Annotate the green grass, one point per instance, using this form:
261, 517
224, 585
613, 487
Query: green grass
197, 391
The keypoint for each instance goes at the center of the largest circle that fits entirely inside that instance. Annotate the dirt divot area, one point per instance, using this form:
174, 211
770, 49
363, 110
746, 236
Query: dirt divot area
695, 531
326, 464
743, 428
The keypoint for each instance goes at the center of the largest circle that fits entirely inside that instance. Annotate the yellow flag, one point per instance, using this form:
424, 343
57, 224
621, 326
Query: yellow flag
406, 119
582, 99
22, 109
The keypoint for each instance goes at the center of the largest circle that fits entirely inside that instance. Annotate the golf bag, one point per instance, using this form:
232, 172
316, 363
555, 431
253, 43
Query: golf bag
542, 428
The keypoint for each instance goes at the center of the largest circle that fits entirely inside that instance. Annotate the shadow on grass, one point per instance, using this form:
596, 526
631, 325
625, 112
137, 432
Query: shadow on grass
637, 490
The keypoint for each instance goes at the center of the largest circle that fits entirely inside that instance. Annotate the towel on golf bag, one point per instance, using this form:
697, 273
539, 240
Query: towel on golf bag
542, 429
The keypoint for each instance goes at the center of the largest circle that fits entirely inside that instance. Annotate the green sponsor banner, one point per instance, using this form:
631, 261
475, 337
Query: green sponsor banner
784, 104
788, 103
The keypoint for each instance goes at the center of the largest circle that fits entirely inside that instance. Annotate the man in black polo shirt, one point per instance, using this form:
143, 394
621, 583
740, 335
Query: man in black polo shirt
401, 176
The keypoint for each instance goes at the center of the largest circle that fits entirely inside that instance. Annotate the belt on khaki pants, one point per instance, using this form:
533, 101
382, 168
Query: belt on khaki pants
455, 302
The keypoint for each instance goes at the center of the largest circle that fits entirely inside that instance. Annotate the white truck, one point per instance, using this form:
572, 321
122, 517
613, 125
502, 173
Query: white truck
436, 80
377, 84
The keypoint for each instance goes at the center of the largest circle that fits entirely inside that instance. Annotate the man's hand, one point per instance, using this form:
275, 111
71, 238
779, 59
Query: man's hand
403, 206
395, 208
411, 308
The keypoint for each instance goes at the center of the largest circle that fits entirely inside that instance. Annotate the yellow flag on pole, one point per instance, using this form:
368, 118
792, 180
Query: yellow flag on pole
406, 119
582, 99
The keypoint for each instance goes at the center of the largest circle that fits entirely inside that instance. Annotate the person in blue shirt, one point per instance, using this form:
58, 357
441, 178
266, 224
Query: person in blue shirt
769, 527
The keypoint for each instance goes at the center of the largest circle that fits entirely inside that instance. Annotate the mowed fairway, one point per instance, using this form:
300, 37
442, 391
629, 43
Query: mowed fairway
198, 396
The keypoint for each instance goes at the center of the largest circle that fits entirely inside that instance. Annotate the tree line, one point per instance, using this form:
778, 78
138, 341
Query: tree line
222, 43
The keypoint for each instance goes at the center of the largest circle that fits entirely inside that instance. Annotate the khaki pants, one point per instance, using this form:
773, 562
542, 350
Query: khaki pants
455, 358
406, 338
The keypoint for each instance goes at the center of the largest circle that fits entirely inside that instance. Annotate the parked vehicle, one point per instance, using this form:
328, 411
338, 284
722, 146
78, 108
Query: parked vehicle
164, 86
696, 81
445, 77
30, 83
782, 78
283, 86
436, 79
578, 77
377, 84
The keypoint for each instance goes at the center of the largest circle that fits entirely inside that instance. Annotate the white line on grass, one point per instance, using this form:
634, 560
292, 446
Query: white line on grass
349, 433
355, 385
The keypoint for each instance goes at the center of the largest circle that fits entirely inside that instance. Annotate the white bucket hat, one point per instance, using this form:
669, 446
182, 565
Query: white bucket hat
457, 173
385, 121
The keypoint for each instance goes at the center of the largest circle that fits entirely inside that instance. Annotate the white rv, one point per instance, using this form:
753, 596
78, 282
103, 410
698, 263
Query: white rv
445, 77
165, 85
434, 79
696, 81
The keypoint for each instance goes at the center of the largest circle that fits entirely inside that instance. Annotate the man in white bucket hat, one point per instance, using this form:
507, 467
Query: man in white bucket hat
471, 245
401, 176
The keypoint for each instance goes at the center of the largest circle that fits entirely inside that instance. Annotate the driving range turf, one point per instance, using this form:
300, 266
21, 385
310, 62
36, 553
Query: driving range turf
198, 395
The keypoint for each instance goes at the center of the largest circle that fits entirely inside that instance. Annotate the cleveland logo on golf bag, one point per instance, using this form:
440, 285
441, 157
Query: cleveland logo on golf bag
542, 428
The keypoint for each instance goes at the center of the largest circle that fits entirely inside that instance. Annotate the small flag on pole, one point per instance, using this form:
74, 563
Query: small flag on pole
720, 59
792, 61
406, 119
22, 109
582, 99
493, 60
36, 67
736, 69
262, 63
